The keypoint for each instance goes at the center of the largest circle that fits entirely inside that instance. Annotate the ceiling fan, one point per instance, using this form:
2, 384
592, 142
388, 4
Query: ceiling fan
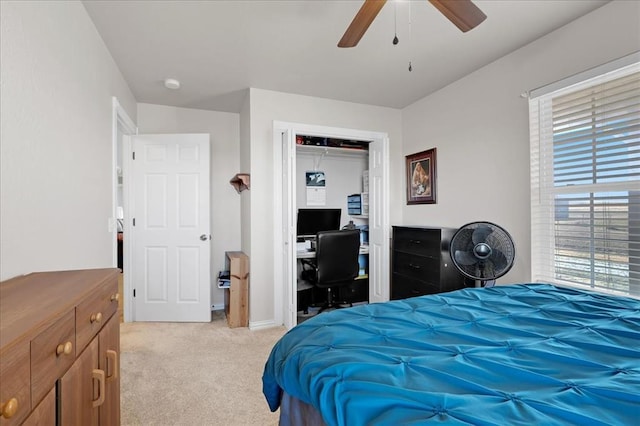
463, 13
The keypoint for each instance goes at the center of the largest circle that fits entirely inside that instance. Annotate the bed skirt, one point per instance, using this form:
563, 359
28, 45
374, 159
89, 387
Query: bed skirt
294, 412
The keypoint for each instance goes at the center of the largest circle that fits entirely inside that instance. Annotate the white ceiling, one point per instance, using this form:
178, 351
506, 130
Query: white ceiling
218, 49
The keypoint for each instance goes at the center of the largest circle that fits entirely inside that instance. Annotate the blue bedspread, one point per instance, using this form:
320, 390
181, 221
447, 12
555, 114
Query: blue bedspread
518, 354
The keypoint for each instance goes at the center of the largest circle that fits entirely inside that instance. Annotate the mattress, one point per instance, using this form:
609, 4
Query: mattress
513, 354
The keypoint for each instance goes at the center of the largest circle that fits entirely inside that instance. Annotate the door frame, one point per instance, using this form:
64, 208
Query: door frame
121, 152
284, 134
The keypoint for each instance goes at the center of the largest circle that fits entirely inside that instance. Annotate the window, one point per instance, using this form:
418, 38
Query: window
585, 183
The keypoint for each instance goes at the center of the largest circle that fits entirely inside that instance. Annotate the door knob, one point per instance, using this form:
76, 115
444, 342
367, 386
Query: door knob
203, 237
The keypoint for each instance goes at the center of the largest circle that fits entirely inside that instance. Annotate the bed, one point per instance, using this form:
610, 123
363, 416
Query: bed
511, 354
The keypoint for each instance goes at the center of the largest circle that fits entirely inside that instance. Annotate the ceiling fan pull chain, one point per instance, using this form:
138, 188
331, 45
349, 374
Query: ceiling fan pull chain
410, 39
395, 24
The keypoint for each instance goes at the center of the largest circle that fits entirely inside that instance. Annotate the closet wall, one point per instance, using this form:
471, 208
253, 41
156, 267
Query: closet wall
343, 175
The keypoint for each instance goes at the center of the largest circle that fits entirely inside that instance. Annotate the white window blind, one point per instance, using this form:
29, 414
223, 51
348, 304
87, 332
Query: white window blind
585, 183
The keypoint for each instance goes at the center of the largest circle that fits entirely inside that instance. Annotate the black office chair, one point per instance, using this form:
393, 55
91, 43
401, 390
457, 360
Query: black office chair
336, 262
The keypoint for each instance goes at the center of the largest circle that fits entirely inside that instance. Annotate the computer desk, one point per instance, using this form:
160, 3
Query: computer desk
311, 254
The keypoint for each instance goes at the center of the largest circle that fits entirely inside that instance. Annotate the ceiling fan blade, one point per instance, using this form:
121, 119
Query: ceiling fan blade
361, 22
464, 14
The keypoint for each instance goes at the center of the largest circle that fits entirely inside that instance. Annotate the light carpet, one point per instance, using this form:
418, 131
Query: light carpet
194, 373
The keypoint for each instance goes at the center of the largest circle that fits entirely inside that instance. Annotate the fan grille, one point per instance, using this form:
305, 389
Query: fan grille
482, 251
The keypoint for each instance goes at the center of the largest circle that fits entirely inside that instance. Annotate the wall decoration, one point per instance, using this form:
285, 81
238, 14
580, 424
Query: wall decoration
316, 189
421, 177
241, 181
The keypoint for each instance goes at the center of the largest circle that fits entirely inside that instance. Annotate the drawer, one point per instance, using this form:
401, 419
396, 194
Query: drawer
417, 267
52, 353
403, 287
425, 242
15, 381
94, 312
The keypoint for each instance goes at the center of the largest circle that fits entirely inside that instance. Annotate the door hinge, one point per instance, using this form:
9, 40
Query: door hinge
134, 221
134, 292
134, 155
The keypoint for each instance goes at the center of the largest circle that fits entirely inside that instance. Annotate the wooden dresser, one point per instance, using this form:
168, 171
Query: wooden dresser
60, 349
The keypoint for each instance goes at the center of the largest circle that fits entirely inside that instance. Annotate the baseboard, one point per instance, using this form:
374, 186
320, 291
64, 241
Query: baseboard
258, 325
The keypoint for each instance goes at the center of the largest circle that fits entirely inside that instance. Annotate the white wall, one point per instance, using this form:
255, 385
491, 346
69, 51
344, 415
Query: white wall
267, 106
223, 128
245, 167
58, 80
479, 125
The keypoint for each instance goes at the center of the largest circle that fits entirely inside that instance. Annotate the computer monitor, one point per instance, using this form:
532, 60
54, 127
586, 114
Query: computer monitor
312, 221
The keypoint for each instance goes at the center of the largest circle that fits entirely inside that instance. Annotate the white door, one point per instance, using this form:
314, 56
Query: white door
170, 227
288, 220
378, 221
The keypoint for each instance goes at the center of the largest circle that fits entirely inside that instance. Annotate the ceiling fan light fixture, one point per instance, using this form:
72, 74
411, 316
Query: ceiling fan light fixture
171, 83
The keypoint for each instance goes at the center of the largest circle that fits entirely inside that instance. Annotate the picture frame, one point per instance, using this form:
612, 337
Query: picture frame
421, 177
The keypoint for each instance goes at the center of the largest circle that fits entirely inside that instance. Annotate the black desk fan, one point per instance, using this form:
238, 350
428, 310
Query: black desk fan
482, 251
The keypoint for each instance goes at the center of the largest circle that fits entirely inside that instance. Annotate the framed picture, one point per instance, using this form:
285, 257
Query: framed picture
421, 177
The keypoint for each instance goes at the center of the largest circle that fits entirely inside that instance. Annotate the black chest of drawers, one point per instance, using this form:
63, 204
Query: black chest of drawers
420, 262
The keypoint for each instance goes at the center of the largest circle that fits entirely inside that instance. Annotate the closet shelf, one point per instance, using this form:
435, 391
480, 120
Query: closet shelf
241, 181
333, 151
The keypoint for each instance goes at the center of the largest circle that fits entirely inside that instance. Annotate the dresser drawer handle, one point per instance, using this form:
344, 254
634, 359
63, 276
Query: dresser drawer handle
96, 317
10, 408
99, 376
411, 265
415, 241
113, 356
115, 297
64, 348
